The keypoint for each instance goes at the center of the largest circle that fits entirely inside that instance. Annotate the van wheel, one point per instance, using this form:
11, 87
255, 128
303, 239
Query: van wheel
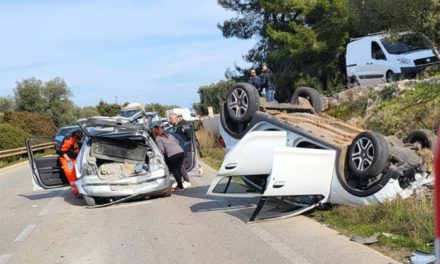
354, 82
368, 155
310, 94
389, 76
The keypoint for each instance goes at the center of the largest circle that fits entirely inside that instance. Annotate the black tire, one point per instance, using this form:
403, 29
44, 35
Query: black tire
390, 76
426, 138
368, 155
242, 102
167, 193
89, 200
310, 94
354, 82
234, 129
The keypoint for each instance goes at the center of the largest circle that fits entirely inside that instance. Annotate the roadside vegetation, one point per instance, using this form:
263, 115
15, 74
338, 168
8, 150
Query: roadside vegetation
211, 152
401, 226
394, 112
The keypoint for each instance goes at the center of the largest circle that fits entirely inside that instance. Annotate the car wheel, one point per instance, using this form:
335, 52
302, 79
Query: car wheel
234, 129
310, 94
368, 155
167, 193
389, 76
426, 138
89, 200
242, 102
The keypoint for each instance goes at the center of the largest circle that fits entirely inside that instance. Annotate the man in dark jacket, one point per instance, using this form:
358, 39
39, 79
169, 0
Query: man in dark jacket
268, 82
255, 81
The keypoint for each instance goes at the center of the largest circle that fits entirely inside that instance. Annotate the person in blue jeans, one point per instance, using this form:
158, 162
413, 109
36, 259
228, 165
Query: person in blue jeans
268, 82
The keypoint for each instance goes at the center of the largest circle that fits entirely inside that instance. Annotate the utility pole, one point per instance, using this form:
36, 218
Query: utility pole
116, 99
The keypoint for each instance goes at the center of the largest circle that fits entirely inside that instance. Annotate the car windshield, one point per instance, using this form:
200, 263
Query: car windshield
128, 113
406, 43
66, 130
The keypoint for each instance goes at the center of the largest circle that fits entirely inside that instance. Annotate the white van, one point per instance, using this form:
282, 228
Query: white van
379, 58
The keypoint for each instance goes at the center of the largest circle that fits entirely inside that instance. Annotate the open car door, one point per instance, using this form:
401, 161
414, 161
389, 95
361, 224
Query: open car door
288, 180
46, 172
185, 134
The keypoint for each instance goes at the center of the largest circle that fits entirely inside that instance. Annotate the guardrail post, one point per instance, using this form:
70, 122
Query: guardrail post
437, 199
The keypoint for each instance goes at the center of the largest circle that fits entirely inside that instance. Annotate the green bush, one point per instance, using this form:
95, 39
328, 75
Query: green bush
32, 123
354, 108
11, 137
417, 108
212, 95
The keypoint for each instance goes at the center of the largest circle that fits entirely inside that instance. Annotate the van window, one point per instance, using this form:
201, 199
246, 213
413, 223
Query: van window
376, 52
406, 43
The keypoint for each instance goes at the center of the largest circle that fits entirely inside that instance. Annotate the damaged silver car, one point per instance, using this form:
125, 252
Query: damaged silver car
118, 160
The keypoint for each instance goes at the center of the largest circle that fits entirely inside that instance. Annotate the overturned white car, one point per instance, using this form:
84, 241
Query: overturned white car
309, 159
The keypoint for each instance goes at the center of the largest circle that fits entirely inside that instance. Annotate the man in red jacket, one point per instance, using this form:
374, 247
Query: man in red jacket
69, 150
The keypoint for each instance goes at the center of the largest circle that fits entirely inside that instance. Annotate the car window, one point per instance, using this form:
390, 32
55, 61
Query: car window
240, 184
406, 43
376, 52
65, 130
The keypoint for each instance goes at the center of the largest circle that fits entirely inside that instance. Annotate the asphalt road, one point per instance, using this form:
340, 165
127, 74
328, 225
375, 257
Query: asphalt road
189, 227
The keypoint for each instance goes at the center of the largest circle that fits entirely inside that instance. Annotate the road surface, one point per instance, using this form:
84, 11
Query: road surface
189, 227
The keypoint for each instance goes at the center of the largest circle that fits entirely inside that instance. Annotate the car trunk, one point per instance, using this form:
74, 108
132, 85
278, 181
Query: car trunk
117, 158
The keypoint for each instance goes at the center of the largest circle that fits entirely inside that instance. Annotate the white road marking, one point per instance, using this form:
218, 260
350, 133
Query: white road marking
25, 233
271, 240
5, 258
52, 201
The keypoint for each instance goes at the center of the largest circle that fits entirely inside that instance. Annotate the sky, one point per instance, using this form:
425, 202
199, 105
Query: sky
151, 51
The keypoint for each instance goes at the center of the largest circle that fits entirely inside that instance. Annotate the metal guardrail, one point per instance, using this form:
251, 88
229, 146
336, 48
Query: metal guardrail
19, 151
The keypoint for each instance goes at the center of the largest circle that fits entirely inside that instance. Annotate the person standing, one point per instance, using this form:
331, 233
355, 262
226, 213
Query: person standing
172, 151
255, 80
181, 127
268, 82
68, 152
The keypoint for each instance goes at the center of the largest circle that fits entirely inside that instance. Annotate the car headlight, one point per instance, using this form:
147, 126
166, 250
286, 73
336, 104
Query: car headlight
88, 170
403, 61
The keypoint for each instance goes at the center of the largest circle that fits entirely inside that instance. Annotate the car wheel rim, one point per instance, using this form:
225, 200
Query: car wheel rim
238, 102
363, 154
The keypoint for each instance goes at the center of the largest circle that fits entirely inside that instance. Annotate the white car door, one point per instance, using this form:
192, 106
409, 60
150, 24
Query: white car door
261, 158
301, 171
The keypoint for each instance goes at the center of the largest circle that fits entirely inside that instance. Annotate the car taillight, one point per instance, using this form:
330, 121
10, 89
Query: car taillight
156, 163
221, 142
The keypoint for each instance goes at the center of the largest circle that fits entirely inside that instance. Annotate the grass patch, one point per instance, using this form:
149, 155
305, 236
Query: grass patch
211, 152
416, 108
353, 108
213, 157
5, 162
403, 225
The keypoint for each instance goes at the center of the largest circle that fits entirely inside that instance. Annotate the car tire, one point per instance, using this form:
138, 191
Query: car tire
167, 193
310, 94
426, 138
368, 155
234, 129
389, 76
89, 200
242, 102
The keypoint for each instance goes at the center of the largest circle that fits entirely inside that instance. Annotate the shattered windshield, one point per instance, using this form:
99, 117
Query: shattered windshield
128, 113
406, 43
